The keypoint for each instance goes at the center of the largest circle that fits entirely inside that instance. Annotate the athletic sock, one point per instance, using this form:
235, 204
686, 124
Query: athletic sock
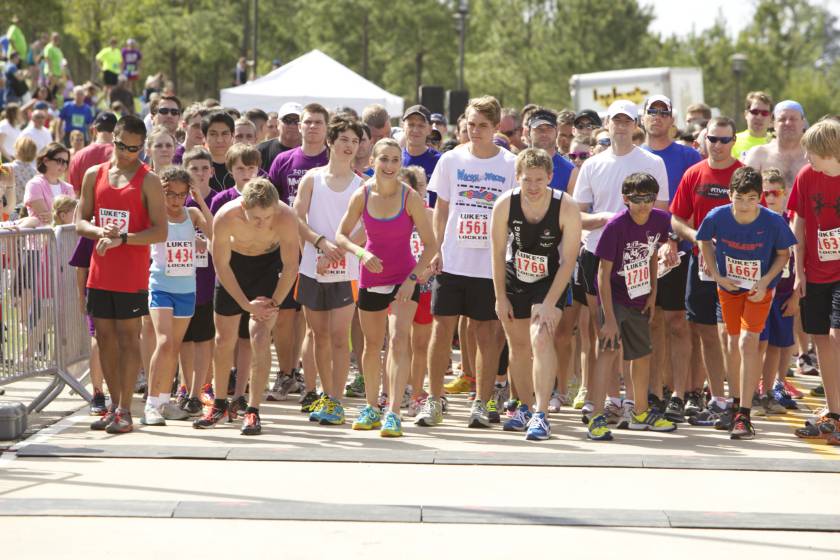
163, 398
221, 404
152, 402
252, 409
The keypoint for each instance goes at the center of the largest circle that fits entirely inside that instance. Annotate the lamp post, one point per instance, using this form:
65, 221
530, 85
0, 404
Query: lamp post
739, 66
463, 12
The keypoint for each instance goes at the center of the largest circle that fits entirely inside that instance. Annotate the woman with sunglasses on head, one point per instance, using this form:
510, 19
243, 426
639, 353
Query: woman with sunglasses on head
160, 148
42, 189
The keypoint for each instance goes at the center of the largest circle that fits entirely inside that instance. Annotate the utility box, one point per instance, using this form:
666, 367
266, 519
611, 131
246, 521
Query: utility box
597, 90
13, 419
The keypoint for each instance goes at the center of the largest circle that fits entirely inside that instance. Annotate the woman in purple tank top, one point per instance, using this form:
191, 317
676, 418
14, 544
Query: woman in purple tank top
388, 279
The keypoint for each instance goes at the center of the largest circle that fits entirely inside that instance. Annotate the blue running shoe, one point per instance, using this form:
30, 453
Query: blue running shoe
369, 419
519, 421
317, 408
332, 414
782, 397
538, 428
392, 426
598, 429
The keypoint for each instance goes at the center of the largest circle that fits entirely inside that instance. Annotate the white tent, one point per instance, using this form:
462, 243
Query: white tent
313, 77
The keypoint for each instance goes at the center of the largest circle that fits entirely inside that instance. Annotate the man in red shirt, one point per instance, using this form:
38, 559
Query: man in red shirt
121, 207
705, 186
99, 151
815, 201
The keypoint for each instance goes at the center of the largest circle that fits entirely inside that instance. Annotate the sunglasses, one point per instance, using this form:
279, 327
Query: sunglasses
582, 156
721, 139
774, 192
173, 194
61, 161
168, 111
641, 198
126, 148
605, 142
585, 125
290, 120
762, 112
661, 112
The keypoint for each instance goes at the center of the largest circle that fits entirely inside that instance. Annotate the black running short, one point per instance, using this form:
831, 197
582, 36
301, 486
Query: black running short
257, 276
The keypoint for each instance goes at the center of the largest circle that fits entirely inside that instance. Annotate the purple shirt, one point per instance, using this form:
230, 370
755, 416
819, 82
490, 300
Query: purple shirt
131, 62
624, 242
288, 169
82, 253
178, 158
222, 198
205, 276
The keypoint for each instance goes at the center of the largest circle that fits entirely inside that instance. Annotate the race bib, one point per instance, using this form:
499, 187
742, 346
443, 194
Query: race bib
530, 268
473, 231
416, 245
118, 217
201, 260
179, 258
786, 270
77, 121
130, 69
700, 269
828, 244
335, 272
637, 278
662, 270
745, 273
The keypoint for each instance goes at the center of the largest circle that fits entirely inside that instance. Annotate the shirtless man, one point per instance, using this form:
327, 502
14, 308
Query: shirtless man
785, 152
255, 251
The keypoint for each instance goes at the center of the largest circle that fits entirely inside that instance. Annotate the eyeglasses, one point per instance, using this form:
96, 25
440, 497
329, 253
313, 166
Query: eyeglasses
641, 198
173, 194
61, 161
721, 139
168, 111
585, 125
756, 112
653, 112
290, 120
582, 156
774, 192
605, 142
126, 148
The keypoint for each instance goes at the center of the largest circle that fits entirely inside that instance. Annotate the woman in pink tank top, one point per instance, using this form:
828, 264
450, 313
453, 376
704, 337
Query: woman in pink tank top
388, 279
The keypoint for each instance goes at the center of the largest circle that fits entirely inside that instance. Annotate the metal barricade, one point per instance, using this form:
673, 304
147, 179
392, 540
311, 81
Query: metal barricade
42, 330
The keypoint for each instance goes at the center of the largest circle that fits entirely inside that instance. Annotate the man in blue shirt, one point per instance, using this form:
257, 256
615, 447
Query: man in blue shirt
76, 116
542, 133
417, 125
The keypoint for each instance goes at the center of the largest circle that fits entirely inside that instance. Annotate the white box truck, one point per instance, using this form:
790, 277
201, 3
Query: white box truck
597, 90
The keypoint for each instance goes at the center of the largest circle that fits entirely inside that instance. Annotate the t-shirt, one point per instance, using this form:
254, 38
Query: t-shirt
178, 156
205, 276
221, 179
630, 246
678, 158
600, 178
41, 136
289, 168
562, 173
471, 186
86, 158
10, 135
702, 189
82, 253
815, 197
222, 198
269, 150
76, 117
130, 62
38, 188
110, 59
54, 58
744, 141
740, 245
428, 161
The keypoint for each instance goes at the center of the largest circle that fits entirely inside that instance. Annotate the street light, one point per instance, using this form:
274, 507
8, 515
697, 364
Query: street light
463, 12
739, 66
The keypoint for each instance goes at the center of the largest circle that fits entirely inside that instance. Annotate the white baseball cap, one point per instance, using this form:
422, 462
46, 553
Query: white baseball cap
623, 107
660, 98
290, 108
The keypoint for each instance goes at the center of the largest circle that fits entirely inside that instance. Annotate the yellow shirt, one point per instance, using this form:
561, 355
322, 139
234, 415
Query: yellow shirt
744, 141
110, 59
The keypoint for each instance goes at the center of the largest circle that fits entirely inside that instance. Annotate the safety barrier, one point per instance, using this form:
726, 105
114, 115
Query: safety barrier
43, 330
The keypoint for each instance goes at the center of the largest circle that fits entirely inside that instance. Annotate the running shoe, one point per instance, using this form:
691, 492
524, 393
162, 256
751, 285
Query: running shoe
807, 364
598, 429
181, 395
818, 391
369, 419
251, 425
520, 420
309, 398
580, 399
231, 388
406, 399
651, 420
193, 406
416, 404
274, 392
283, 386
237, 407
444, 404
770, 405
462, 384
706, 417
356, 388
471, 396
478, 415
675, 411
300, 385
742, 428
554, 403
97, 403
152, 416
212, 417
493, 412
586, 412
207, 395
790, 389
107, 418
614, 414
823, 428
140, 384
565, 399
172, 411
538, 428
431, 414
833, 439
501, 392
724, 420
317, 408
693, 403
332, 414
392, 427
818, 414
656, 403
510, 407
121, 424
382, 402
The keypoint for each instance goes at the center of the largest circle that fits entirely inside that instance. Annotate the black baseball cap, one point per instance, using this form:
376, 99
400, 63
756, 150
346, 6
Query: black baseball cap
438, 118
418, 110
542, 117
105, 122
591, 115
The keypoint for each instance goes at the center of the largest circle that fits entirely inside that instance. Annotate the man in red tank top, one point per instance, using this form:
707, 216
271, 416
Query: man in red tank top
122, 208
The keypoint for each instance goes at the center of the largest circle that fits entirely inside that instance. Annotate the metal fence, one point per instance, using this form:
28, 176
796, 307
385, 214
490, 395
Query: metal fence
42, 328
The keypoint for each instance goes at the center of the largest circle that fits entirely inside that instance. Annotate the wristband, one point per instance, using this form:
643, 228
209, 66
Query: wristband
124, 238
318, 241
361, 253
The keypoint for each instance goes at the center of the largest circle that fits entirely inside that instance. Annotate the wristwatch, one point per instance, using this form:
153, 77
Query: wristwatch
412, 277
672, 236
124, 238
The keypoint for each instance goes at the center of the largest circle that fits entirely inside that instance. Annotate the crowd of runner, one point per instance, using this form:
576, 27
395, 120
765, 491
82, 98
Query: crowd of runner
644, 274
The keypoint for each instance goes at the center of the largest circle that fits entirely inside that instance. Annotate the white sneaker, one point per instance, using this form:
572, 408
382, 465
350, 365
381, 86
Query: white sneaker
554, 404
152, 417
626, 416
431, 414
172, 411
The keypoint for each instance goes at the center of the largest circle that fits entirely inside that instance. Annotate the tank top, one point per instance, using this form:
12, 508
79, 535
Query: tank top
390, 240
173, 261
124, 268
533, 258
326, 209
